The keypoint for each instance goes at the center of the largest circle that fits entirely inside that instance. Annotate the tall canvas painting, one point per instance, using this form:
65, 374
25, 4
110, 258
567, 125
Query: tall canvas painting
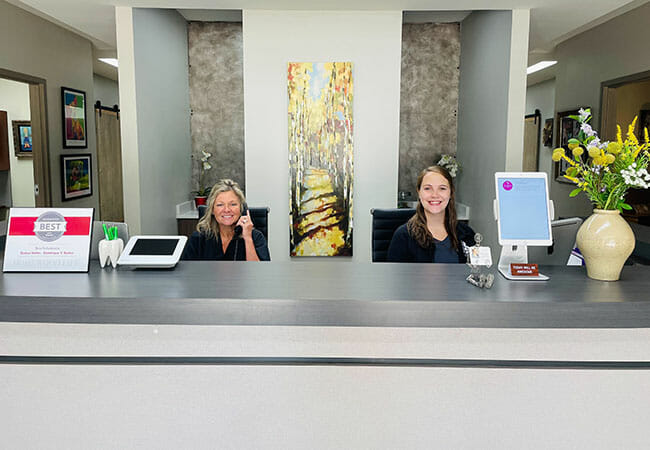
320, 158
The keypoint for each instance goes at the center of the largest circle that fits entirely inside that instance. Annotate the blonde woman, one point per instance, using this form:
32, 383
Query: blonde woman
433, 234
224, 233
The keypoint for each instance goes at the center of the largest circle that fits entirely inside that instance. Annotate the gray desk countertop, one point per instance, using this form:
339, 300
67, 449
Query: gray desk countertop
325, 293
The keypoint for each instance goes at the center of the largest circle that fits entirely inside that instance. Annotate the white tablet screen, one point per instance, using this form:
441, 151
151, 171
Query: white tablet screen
523, 208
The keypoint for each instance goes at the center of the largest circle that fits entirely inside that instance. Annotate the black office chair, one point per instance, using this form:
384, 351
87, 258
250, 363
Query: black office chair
384, 224
259, 216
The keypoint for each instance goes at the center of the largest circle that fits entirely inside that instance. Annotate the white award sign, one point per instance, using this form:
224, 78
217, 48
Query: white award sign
48, 240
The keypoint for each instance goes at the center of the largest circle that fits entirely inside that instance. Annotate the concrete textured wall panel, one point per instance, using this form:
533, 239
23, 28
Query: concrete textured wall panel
217, 99
429, 97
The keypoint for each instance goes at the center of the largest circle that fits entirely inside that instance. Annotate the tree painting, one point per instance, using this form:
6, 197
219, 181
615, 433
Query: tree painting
320, 158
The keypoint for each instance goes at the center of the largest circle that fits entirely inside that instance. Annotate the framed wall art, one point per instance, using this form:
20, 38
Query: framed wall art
567, 128
76, 175
547, 133
74, 118
23, 144
320, 158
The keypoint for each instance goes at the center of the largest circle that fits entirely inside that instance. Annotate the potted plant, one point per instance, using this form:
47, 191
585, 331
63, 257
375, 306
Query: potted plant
450, 163
605, 173
201, 194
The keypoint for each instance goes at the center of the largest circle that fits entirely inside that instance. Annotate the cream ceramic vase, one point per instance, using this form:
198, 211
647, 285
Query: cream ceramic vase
606, 241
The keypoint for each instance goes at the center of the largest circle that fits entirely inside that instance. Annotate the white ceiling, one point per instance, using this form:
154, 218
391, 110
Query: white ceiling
551, 21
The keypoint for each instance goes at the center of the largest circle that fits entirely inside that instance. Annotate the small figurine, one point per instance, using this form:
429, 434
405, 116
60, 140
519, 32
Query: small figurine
476, 277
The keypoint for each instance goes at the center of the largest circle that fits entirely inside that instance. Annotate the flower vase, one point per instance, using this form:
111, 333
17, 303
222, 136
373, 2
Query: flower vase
606, 241
200, 200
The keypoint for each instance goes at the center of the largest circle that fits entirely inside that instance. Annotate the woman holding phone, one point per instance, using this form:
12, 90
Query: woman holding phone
226, 232
433, 234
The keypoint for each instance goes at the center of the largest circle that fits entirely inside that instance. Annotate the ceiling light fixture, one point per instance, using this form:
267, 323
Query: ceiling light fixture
539, 66
110, 61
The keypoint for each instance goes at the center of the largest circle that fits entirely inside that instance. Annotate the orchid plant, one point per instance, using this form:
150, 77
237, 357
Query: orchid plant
450, 163
610, 169
203, 168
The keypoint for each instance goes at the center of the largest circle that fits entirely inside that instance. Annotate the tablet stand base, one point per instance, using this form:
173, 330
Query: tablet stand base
516, 254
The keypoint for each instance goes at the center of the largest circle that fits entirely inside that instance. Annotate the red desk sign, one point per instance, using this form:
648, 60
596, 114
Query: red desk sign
48, 240
524, 270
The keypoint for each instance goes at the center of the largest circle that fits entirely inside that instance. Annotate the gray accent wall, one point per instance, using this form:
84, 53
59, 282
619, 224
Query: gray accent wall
163, 115
482, 118
217, 99
428, 97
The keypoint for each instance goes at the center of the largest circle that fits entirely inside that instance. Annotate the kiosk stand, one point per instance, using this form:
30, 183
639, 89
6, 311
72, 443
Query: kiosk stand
523, 213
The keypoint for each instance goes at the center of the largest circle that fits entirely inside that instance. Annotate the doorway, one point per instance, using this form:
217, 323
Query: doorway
623, 99
37, 107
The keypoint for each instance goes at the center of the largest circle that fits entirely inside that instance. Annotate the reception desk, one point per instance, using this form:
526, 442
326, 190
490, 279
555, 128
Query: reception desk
324, 354
325, 293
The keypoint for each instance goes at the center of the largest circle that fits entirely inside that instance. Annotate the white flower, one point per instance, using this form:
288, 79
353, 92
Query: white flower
207, 165
584, 114
449, 162
205, 156
586, 128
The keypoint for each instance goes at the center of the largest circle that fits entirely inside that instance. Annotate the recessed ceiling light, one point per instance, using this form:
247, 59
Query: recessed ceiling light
111, 61
539, 66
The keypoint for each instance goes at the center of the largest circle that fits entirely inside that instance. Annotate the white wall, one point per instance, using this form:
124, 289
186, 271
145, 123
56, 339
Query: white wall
542, 96
106, 91
33, 46
372, 42
14, 98
491, 109
155, 121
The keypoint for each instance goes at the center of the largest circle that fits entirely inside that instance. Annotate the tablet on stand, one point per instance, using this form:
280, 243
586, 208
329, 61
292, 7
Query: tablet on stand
523, 212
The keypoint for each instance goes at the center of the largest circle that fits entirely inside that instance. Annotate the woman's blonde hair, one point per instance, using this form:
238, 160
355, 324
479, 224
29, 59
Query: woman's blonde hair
417, 225
208, 224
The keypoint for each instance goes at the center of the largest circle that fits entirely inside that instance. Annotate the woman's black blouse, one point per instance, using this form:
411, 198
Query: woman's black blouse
403, 248
201, 247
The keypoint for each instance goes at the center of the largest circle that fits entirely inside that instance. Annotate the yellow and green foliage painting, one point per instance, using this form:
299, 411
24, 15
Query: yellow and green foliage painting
320, 158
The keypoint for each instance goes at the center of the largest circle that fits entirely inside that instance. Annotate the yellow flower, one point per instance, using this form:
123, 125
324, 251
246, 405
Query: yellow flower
594, 151
619, 139
630, 132
614, 148
577, 151
572, 171
572, 145
647, 140
609, 158
557, 155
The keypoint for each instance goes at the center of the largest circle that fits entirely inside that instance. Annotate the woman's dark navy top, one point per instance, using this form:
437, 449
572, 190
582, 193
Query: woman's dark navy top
200, 246
404, 248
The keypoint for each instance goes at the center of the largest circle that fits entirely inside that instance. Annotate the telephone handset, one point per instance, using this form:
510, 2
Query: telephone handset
244, 211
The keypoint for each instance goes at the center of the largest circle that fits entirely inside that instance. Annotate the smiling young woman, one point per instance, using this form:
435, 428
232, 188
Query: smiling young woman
433, 234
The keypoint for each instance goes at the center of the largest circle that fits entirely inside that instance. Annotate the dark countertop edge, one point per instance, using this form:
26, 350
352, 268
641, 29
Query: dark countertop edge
324, 313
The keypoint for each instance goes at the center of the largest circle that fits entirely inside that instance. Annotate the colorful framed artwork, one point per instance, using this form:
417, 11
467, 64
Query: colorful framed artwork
76, 176
23, 144
320, 158
74, 118
567, 128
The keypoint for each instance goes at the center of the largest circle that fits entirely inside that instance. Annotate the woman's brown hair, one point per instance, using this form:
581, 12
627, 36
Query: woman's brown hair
208, 224
417, 225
